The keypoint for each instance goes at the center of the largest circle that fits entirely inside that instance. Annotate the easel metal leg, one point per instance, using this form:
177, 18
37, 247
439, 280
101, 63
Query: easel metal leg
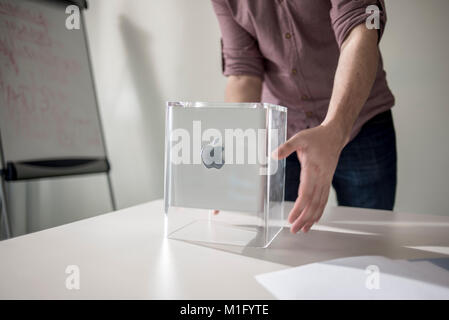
111, 193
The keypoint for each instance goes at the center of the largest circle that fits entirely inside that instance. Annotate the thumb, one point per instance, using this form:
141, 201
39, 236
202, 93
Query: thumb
284, 150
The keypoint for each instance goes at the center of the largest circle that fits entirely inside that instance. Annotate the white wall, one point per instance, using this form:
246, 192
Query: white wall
416, 53
145, 52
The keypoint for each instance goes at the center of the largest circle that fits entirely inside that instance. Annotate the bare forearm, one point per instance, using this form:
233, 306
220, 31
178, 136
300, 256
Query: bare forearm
353, 81
243, 89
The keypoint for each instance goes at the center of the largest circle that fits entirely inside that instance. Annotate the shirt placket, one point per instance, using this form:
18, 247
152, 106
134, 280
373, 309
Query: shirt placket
302, 89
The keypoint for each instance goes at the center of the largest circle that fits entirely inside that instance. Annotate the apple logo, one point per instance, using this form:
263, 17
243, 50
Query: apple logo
212, 155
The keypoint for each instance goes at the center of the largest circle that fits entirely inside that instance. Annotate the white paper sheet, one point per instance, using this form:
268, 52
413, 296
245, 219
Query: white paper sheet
367, 277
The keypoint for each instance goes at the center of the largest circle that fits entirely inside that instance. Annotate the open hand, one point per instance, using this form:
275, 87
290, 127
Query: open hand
318, 150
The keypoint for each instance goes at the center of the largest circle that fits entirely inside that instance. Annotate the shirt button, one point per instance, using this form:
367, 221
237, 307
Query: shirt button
294, 71
309, 114
288, 35
305, 97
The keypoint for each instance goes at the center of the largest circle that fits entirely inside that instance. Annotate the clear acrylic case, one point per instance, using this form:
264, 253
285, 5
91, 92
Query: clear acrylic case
218, 156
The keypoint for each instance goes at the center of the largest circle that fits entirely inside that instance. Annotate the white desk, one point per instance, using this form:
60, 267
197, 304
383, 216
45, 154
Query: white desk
124, 254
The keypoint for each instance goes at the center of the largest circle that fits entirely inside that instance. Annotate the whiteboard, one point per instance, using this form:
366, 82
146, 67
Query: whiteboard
48, 106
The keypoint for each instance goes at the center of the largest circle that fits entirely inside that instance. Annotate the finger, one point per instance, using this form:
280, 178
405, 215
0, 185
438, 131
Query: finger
307, 227
305, 191
307, 216
318, 211
324, 198
216, 212
284, 150
318, 204
295, 212
301, 221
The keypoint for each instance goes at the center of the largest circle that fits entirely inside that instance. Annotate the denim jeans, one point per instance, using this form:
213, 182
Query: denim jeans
366, 172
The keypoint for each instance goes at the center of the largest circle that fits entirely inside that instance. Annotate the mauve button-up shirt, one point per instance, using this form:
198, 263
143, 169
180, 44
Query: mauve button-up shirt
294, 46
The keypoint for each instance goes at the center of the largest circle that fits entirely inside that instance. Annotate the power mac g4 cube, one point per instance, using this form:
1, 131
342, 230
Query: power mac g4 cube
223, 181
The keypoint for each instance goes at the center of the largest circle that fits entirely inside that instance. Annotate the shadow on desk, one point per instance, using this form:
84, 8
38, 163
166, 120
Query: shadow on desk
347, 232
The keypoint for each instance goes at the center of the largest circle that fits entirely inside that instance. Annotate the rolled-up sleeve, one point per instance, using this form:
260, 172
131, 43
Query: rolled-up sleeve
240, 50
347, 14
